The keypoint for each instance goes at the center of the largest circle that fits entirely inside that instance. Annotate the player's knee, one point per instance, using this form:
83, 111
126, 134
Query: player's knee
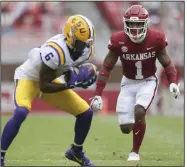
88, 114
139, 112
126, 128
20, 114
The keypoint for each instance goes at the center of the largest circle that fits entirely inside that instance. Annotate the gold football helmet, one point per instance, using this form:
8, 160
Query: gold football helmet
79, 28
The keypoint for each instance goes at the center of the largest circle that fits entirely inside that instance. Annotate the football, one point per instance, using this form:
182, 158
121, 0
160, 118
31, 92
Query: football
91, 67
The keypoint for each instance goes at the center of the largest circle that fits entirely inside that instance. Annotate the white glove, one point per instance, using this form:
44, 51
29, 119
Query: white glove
96, 103
174, 89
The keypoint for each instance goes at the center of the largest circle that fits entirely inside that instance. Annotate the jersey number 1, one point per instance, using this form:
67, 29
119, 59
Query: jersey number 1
138, 65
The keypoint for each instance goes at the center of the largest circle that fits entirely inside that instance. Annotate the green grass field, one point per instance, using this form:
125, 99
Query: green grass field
43, 140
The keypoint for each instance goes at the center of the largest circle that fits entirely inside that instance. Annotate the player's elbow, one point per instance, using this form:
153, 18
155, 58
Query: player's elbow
43, 87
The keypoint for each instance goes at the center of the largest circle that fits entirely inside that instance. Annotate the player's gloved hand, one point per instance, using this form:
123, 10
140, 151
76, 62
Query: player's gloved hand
96, 103
73, 80
84, 74
88, 83
174, 89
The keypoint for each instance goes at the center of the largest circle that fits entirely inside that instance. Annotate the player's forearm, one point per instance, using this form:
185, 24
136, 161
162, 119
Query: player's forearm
169, 68
52, 87
171, 72
103, 77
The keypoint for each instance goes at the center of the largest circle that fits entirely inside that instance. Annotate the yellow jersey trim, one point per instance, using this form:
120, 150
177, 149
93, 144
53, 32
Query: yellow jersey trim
59, 51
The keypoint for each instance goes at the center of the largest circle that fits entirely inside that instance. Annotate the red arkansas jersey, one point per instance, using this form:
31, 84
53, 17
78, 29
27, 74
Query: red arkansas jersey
138, 59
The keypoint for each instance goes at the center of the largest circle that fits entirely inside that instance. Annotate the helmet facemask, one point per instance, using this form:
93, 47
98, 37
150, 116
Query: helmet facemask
77, 47
136, 29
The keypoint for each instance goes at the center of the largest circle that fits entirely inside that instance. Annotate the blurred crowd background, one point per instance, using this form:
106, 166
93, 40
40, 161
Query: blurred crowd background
29, 24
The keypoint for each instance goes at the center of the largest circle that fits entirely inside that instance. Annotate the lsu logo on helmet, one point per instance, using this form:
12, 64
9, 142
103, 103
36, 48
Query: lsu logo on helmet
79, 27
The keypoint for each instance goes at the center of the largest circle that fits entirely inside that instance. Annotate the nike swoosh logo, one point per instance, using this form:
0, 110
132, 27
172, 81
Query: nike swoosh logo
79, 160
150, 48
76, 83
137, 132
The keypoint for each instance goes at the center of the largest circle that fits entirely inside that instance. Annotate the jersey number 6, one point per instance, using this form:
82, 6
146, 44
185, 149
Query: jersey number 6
49, 56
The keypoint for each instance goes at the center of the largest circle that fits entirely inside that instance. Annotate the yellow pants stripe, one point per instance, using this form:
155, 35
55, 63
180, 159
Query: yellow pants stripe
59, 51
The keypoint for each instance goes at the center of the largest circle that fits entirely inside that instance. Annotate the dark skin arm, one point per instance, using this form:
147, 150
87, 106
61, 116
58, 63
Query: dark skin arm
163, 57
111, 59
47, 75
169, 68
108, 65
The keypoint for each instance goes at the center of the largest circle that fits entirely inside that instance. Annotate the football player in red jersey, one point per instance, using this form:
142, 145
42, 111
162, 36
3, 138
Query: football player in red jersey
138, 47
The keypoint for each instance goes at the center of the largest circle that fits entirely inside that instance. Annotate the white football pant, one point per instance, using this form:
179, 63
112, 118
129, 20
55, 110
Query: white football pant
132, 93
